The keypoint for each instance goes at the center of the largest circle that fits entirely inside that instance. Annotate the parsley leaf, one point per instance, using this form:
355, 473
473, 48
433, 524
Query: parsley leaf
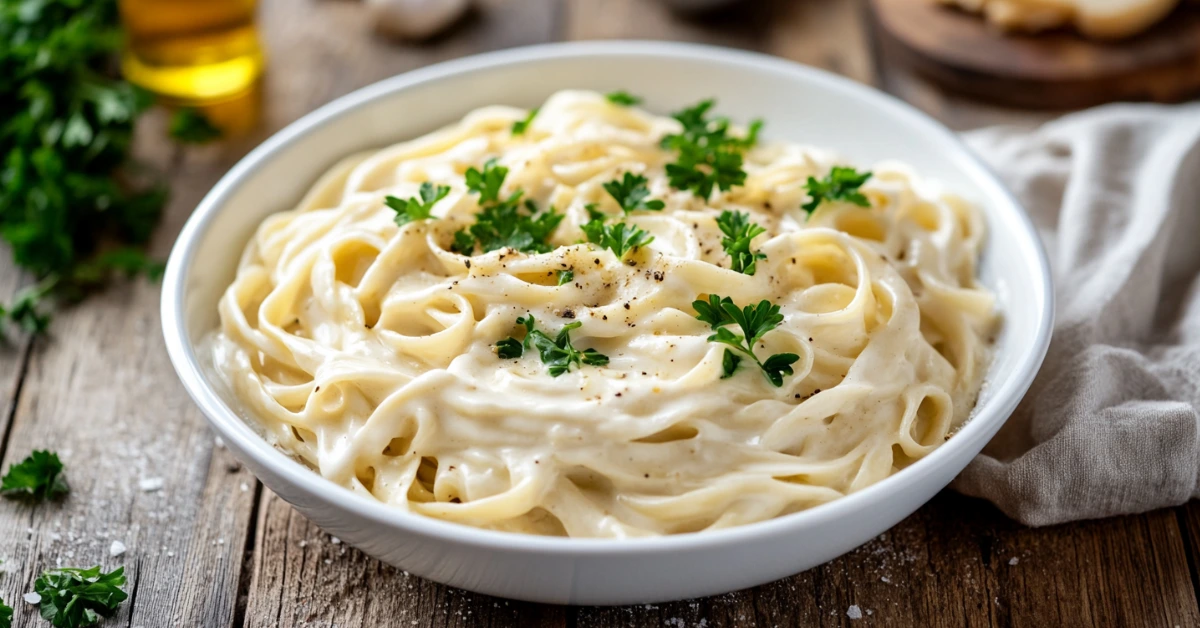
739, 232
729, 363
755, 321
39, 476
631, 193
504, 223
519, 127
72, 597
509, 349
708, 157
841, 184
408, 210
191, 126
557, 353
565, 277
486, 183
619, 238
68, 186
623, 98
6, 615
511, 224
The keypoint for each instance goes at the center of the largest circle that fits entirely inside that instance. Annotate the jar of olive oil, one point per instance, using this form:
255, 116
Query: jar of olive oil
192, 52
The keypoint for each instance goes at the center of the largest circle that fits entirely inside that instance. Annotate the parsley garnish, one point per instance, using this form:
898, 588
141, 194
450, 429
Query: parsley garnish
68, 187
190, 126
486, 183
755, 321
6, 615
518, 127
707, 156
40, 476
841, 184
729, 363
509, 224
631, 193
408, 210
557, 353
565, 276
503, 223
619, 238
739, 232
623, 98
72, 597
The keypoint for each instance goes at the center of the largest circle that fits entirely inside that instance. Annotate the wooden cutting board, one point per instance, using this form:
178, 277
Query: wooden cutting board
1055, 70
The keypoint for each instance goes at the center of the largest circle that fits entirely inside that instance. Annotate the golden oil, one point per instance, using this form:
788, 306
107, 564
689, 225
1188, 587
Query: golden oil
192, 52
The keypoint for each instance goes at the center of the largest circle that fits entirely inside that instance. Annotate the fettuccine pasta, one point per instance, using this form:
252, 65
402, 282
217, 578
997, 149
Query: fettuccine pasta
367, 349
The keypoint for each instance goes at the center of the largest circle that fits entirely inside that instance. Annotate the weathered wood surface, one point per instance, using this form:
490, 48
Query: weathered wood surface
211, 548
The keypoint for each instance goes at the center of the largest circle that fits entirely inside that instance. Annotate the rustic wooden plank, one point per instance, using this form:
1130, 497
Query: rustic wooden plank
303, 577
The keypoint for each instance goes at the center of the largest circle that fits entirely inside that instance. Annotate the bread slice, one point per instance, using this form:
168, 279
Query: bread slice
1098, 19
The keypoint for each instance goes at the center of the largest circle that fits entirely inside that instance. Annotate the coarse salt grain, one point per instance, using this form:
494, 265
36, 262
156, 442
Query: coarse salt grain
1014, 560
116, 549
335, 540
854, 612
149, 485
33, 598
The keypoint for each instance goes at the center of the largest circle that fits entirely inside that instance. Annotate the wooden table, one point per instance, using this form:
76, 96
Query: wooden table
212, 548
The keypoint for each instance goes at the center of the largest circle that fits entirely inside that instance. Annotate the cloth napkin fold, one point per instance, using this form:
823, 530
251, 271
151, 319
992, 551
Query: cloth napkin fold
1110, 425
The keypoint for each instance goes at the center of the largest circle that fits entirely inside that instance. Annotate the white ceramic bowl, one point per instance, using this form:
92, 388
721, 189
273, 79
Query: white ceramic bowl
798, 103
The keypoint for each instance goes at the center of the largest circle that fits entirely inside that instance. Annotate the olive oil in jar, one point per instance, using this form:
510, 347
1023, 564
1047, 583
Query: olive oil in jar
192, 52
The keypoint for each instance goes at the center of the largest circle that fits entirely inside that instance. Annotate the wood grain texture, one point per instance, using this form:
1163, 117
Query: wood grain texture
1049, 70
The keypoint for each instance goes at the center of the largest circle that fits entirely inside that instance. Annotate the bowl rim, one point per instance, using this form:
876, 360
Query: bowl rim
1000, 404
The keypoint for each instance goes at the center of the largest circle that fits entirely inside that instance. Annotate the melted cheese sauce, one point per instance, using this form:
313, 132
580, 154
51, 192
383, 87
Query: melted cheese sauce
366, 350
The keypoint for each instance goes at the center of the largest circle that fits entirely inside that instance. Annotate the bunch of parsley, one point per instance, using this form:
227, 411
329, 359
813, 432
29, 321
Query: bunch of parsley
66, 127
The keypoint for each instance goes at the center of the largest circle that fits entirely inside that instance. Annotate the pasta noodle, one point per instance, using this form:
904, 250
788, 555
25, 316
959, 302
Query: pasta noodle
367, 350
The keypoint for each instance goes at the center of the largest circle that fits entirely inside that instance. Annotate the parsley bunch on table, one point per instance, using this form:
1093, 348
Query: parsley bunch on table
39, 476
557, 353
73, 597
66, 126
504, 222
6, 615
707, 155
755, 321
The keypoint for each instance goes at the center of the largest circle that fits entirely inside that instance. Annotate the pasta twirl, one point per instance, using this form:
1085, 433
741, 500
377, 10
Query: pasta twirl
367, 349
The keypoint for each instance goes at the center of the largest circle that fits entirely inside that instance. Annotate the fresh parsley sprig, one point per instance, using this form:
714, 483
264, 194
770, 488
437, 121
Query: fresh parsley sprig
565, 277
73, 597
841, 184
6, 615
619, 238
755, 321
557, 353
707, 156
486, 183
622, 98
631, 193
520, 126
39, 476
739, 232
410, 209
503, 223
512, 224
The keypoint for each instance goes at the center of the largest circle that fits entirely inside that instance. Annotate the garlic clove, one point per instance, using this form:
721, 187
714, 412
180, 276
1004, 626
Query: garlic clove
415, 19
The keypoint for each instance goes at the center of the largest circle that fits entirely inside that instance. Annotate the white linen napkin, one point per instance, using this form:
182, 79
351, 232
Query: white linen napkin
1110, 424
